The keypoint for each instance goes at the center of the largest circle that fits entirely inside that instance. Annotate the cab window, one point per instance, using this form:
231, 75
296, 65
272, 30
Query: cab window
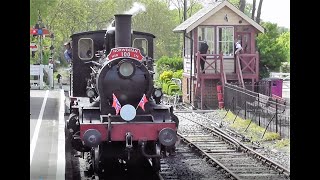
85, 48
142, 44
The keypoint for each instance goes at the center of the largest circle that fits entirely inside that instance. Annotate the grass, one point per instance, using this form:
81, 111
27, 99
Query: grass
282, 143
254, 131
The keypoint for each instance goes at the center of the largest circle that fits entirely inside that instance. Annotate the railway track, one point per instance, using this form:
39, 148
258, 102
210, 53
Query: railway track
236, 160
188, 165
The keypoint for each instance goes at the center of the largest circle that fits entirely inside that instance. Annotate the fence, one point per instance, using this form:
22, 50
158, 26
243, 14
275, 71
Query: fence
172, 100
38, 77
268, 112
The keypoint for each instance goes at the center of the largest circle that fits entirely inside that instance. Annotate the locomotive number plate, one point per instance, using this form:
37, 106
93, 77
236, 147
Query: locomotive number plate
125, 52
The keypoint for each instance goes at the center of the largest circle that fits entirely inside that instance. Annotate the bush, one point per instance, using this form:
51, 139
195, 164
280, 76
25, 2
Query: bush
166, 75
178, 74
173, 88
166, 85
166, 63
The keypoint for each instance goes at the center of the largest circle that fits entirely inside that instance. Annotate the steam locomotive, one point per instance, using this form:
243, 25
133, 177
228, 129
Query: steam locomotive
124, 120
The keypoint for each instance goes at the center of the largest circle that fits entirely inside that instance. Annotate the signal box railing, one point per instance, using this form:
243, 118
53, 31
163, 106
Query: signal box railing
249, 63
213, 69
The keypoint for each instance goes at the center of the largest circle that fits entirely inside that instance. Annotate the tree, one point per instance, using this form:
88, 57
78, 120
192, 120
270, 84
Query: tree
44, 6
193, 7
259, 11
284, 41
272, 49
68, 17
242, 5
247, 9
159, 20
253, 9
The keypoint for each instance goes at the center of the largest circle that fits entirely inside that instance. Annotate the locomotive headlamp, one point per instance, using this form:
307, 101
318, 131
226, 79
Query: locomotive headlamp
157, 93
167, 137
90, 93
126, 69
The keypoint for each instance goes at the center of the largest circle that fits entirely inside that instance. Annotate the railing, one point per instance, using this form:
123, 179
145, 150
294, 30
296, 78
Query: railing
271, 113
171, 100
211, 66
239, 71
249, 63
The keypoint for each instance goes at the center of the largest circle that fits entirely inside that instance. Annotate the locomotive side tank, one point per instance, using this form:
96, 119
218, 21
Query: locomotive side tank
125, 121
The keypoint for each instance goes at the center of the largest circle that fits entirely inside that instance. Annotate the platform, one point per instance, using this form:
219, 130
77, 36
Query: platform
47, 137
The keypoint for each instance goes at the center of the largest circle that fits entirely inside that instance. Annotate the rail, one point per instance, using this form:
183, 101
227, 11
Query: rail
236, 156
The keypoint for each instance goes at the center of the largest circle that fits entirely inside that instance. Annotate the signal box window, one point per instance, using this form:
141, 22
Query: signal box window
226, 41
142, 44
85, 48
206, 33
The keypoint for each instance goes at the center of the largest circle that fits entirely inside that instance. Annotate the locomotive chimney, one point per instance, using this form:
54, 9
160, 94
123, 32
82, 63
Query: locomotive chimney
123, 30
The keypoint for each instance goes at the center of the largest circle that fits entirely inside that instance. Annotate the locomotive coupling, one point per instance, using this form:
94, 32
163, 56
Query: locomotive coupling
143, 151
128, 140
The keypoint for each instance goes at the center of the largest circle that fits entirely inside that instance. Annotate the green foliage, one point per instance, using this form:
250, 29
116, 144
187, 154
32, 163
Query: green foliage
63, 18
285, 67
284, 40
254, 131
159, 20
166, 63
44, 6
166, 85
166, 75
272, 50
178, 74
173, 89
46, 43
282, 143
170, 88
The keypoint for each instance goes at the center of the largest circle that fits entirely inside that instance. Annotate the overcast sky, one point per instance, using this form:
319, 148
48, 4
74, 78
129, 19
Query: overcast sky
275, 11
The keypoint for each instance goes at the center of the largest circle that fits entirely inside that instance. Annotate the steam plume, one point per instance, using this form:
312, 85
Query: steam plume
136, 8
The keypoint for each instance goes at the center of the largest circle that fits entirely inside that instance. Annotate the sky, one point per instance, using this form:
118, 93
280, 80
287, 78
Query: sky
274, 11
279, 13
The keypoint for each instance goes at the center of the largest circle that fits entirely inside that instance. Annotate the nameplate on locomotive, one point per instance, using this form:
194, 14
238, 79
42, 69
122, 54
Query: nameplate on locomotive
125, 52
